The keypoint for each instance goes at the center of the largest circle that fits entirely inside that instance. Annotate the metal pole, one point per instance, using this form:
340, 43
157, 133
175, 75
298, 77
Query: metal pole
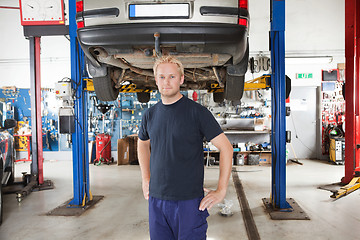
38, 112
80, 138
278, 137
36, 124
357, 80
352, 53
34, 164
86, 141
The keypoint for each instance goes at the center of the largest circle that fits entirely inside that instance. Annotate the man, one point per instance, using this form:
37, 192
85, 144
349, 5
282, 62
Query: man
173, 171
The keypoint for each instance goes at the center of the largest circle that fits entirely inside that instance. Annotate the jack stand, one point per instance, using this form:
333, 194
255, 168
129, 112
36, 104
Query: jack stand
353, 185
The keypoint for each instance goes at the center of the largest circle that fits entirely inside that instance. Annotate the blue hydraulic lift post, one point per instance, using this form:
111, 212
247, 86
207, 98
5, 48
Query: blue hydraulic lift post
278, 136
79, 138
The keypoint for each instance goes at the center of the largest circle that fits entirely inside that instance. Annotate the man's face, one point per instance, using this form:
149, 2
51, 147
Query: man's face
168, 79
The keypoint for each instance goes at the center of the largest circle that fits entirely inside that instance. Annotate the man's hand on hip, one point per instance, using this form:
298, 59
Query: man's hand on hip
212, 198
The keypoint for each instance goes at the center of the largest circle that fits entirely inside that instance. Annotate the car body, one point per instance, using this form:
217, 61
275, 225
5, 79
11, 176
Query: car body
121, 40
7, 158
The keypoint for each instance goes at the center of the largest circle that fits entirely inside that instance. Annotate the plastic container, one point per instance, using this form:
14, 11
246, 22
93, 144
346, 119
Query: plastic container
240, 160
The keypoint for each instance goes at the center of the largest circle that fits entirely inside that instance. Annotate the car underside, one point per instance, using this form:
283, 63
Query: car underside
211, 42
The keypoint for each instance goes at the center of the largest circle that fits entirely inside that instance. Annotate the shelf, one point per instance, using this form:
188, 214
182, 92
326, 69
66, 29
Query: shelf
245, 132
212, 151
255, 152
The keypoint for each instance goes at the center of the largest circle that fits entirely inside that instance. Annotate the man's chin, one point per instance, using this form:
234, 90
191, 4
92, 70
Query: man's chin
168, 94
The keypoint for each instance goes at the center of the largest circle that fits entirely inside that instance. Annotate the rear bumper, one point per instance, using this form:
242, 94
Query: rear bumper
187, 37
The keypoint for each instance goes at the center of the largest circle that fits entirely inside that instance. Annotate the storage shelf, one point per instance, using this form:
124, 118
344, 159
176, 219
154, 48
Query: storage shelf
245, 132
214, 151
255, 152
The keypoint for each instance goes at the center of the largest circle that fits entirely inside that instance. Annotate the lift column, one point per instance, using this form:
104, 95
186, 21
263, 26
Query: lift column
278, 136
82, 194
278, 206
36, 129
352, 90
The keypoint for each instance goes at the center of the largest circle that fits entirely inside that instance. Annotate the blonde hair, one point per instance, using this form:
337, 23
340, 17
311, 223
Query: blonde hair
168, 59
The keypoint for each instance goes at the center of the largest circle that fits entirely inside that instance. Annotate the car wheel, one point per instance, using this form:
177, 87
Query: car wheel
143, 97
218, 97
235, 78
105, 88
234, 87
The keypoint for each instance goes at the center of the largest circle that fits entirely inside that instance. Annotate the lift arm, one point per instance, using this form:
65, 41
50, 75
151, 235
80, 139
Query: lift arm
262, 82
351, 187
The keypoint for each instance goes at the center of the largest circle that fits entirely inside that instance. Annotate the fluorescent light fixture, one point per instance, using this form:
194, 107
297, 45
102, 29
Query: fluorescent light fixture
309, 60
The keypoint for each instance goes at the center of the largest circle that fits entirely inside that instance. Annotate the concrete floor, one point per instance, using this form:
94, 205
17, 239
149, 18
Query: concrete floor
122, 214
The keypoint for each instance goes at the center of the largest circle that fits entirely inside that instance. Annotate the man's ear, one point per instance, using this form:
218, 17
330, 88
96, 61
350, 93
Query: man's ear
182, 79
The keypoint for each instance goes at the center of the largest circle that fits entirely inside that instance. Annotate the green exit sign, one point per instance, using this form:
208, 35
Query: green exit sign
304, 75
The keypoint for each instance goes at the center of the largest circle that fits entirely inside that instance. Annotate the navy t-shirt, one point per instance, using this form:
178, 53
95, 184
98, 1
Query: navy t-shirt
176, 132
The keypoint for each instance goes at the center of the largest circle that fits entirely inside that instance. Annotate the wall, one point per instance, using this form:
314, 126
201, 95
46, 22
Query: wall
315, 37
14, 57
313, 28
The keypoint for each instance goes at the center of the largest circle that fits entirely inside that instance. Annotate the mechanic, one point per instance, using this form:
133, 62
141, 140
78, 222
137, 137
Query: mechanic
173, 171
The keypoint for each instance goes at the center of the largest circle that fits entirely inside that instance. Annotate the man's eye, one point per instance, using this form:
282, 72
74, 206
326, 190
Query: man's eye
162, 77
172, 76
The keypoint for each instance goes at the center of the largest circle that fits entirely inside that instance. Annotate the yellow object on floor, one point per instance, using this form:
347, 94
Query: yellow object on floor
353, 185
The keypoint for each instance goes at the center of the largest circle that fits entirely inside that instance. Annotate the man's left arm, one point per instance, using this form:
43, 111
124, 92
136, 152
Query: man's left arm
222, 143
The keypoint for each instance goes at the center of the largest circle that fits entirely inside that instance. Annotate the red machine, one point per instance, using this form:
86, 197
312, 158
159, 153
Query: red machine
103, 149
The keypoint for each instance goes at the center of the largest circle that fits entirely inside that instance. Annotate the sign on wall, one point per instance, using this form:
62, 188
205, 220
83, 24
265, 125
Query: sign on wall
304, 75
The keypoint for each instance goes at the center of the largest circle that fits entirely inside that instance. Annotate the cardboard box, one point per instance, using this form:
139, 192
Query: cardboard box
133, 157
123, 151
127, 150
265, 159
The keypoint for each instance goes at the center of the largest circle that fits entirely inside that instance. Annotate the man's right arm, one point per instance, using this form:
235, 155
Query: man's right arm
144, 161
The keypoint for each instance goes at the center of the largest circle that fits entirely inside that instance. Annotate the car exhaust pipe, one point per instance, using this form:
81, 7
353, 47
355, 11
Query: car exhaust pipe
218, 79
157, 44
119, 76
104, 57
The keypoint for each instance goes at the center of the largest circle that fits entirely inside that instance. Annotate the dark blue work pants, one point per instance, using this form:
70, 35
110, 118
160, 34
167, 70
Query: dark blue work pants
177, 220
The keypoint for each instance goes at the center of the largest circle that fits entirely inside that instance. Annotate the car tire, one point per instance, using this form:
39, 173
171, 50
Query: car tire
235, 81
218, 97
105, 88
143, 97
234, 87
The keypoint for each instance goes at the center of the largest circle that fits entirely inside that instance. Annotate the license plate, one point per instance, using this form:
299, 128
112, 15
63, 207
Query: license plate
166, 11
